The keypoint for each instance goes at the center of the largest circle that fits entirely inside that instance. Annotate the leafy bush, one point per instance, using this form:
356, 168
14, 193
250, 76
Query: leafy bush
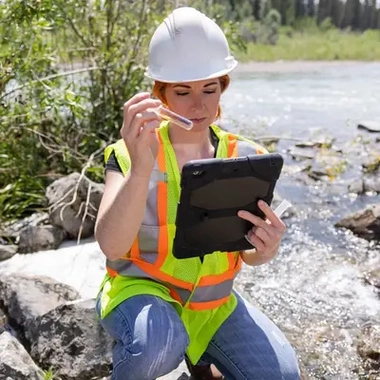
68, 67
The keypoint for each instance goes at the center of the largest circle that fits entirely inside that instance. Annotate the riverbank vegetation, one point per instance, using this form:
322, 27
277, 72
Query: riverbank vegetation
303, 29
68, 66
315, 44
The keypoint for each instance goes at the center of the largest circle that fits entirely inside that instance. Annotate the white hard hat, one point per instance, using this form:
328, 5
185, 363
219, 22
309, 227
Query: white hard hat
188, 46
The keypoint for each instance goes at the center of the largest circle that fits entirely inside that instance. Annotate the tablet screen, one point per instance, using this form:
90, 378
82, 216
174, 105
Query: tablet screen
224, 194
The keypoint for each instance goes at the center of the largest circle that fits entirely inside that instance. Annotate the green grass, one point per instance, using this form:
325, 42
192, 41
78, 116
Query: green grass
49, 375
329, 45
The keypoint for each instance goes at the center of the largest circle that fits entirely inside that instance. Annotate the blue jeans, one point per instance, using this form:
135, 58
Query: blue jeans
151, 342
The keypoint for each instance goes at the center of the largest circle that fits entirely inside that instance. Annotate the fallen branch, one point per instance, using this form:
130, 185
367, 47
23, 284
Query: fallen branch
263, 138
49, 77
62, 205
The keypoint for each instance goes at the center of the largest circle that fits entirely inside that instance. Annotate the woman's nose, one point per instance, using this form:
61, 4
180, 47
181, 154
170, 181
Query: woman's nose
198, 104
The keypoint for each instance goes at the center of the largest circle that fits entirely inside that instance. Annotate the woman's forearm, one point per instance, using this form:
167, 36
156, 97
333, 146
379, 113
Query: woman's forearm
120, 219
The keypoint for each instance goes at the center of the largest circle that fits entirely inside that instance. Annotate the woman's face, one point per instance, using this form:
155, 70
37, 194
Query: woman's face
197, 101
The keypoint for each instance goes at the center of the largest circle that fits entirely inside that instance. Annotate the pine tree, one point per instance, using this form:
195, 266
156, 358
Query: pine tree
310, 8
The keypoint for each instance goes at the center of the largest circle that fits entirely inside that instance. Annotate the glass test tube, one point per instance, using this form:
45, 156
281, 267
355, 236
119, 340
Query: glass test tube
179, 120
282, 207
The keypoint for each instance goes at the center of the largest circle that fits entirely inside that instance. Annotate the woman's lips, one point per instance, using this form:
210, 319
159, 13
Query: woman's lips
197, 121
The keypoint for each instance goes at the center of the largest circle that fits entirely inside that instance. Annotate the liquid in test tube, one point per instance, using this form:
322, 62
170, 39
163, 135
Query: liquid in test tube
173, 117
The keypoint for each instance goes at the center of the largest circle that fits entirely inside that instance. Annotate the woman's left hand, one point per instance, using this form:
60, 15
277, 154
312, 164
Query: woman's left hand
265, 235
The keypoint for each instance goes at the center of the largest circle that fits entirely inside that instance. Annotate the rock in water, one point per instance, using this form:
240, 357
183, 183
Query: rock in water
369, 347
365, 223
7, 251
370, 126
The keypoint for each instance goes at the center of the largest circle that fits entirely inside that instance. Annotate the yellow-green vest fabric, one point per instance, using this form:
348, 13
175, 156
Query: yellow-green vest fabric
201, 325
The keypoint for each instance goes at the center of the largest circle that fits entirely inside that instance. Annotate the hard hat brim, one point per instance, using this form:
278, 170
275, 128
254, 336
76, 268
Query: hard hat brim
190, 76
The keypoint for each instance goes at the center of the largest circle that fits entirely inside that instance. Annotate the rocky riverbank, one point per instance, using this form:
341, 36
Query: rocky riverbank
327, 302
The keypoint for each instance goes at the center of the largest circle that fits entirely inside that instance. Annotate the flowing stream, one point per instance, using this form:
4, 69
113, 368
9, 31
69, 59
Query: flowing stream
315, 289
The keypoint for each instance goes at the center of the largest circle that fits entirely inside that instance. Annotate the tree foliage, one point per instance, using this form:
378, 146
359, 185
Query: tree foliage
67, 67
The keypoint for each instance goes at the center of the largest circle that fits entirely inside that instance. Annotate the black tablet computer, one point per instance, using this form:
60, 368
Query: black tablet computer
212, 192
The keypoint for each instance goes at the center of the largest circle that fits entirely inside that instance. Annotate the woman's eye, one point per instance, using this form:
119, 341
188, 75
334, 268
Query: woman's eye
182, 93
210, 92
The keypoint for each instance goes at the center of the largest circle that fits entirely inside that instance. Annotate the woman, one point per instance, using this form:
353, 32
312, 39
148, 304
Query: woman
158, 309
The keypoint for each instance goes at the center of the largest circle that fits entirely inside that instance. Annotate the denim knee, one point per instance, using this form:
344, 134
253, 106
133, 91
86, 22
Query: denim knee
151, 339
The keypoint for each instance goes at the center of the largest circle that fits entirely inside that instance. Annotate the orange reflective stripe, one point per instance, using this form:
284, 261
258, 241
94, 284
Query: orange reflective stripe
155, 272
208, 305
162, 245
233, 266
135, 250
162, 205
232, 146
162, 199
238, 264
175, 296
111, 272
216, 279
231, 260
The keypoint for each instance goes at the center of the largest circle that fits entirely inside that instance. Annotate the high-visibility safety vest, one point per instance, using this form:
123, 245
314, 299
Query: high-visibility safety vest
196, 285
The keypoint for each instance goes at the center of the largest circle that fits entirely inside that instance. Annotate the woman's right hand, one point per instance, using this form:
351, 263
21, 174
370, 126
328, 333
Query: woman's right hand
138, 132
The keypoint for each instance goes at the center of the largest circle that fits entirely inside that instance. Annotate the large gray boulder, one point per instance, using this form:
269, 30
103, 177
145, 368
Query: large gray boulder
74, 201
15, 362
28, 297
70, 340
40, 238
31, 234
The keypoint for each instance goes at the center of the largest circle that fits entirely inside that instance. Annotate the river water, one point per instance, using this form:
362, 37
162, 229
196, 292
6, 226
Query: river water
314, 288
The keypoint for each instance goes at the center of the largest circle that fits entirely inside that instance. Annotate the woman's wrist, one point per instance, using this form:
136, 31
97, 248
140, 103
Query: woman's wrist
252, 258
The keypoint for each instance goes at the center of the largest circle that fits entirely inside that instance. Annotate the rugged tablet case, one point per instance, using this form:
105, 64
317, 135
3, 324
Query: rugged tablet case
212, 192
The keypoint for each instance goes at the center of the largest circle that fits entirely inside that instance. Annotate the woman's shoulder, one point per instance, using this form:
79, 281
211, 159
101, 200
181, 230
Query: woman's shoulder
117, 153
118, 146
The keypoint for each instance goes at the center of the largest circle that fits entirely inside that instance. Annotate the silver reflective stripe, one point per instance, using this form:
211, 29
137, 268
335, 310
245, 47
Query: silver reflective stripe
183, 293
212, 292
201, 294
157, 175
127, 268
151, 215
149, 257
148, 243
245, 148
149, 230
